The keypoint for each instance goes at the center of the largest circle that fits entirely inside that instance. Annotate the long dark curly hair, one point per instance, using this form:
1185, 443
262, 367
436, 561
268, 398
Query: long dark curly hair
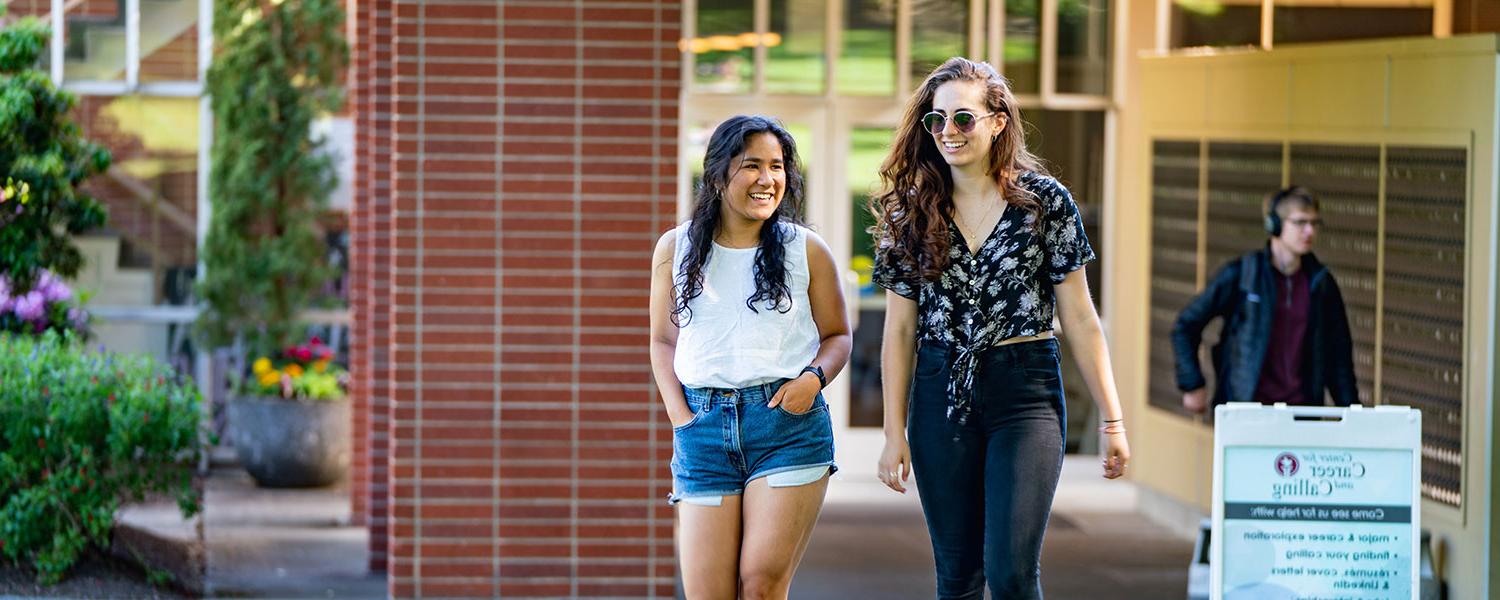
915, 199
725, 147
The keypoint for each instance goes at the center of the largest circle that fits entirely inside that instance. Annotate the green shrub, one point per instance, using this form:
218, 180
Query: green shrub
44, 159
80, 433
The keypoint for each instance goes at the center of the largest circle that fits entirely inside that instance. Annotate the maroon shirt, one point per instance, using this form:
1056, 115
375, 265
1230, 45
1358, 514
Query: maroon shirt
1281, 373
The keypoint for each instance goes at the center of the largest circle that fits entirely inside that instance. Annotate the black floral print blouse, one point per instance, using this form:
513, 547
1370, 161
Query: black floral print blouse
1003, 291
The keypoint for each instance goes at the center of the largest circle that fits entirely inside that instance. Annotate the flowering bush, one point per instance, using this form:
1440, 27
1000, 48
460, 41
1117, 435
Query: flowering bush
49, 305
304, 372
44, 163
80, 433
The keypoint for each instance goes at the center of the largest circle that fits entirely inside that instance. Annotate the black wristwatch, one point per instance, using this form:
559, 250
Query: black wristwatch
816, 370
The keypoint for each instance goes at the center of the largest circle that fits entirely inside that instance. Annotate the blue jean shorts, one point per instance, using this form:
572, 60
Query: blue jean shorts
733, 438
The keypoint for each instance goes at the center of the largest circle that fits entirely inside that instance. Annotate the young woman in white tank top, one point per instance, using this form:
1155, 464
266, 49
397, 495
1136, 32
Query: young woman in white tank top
747, 327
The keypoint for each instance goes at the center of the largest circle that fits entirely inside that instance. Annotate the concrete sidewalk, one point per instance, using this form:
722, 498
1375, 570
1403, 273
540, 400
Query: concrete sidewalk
871, 543
265, 543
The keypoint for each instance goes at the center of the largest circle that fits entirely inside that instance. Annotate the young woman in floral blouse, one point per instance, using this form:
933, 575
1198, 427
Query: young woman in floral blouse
977, 245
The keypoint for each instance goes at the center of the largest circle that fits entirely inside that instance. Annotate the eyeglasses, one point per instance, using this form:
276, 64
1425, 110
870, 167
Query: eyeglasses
1314, 223
964, 120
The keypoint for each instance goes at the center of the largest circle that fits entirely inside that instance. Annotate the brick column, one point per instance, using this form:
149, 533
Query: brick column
370, 281
532, 166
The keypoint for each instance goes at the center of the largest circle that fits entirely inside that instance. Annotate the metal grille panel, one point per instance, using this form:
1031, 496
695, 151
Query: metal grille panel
1174, 257
1422, 361
1346, 181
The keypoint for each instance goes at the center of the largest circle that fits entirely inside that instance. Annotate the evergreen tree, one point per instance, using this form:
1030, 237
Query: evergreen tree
275, 71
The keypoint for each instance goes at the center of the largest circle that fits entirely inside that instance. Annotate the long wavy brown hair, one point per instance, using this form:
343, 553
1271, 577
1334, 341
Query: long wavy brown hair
915, 200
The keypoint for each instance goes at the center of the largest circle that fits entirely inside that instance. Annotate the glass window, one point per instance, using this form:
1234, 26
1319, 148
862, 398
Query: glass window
867, 148
1023, 45
151, 190
723, 58
1213, 23
1071, 144
94, 42
939, 31
169, 41
795, 60
867, 64
1083, 43
1293, 24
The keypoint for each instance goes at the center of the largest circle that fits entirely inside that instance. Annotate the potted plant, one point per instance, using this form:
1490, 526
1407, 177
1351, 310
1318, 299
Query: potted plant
275, 71
291, 420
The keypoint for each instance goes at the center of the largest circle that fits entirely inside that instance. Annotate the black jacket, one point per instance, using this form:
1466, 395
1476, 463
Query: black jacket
1243, 292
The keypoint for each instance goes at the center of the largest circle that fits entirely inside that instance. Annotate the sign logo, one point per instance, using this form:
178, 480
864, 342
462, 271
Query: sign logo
1287, 464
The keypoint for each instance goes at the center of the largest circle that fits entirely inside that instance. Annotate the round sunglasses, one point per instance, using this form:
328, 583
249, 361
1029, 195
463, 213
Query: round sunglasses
964, 120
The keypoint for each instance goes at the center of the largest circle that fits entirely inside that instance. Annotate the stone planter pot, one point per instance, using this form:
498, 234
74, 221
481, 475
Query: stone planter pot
291, 443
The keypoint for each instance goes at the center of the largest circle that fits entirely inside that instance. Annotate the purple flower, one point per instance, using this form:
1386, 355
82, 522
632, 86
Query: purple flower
52, 288
77, 317
31, 307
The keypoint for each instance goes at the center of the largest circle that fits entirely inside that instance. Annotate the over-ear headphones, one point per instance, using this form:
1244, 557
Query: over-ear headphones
1273, 218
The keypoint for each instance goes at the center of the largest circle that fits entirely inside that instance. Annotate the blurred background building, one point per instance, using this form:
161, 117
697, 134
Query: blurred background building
509, 165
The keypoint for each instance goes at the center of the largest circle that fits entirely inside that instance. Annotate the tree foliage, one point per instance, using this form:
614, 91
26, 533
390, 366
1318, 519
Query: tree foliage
275, 71
44, 158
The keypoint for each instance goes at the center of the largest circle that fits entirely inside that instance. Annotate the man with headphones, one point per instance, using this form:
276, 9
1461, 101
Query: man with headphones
1286, 334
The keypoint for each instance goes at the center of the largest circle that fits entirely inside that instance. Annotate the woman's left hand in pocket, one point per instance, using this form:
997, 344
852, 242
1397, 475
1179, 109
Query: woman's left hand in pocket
797, 395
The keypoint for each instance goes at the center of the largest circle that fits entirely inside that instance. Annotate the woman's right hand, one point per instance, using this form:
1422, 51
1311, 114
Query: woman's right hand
680, 416
895, 463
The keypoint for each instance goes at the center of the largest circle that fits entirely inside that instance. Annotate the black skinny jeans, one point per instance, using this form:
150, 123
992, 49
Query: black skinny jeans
987, 486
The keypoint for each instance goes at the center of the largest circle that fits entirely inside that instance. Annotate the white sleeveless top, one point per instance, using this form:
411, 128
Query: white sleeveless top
726, 345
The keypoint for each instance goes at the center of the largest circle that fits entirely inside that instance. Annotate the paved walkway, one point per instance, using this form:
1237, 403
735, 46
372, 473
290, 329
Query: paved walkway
283, 543
870, 544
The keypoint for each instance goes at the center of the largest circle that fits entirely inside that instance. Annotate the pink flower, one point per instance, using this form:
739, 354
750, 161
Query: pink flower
315, 341
304, 354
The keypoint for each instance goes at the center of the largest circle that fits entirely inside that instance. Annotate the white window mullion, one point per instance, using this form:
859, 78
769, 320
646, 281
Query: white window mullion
996, 18
1267, 23
132, 43
762, 26
976, 37
1163, 25
205, 38
1049, 51
833, 46
56, 45
903, 48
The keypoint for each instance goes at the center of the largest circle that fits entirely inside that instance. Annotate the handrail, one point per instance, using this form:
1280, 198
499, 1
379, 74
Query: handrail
152, 201
187, 314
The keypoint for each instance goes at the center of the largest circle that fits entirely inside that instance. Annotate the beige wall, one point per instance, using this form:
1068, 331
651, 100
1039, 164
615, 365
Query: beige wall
1413, 91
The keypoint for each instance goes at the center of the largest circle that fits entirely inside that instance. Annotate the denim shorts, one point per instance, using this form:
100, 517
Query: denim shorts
734, 438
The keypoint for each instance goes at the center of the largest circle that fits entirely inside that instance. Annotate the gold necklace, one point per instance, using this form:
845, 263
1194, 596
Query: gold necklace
968, 232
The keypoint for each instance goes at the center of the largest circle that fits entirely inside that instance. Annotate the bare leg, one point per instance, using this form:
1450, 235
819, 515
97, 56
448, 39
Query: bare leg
708, 548
778, 523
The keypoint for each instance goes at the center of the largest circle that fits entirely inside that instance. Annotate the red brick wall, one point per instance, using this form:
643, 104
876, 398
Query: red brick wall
369, 98
359, 269
533, 165
177, 60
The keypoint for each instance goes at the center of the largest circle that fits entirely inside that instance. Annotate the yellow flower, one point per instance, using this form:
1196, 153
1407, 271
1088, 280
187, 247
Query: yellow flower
321, 365
294, 370
262, 366
270, 378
